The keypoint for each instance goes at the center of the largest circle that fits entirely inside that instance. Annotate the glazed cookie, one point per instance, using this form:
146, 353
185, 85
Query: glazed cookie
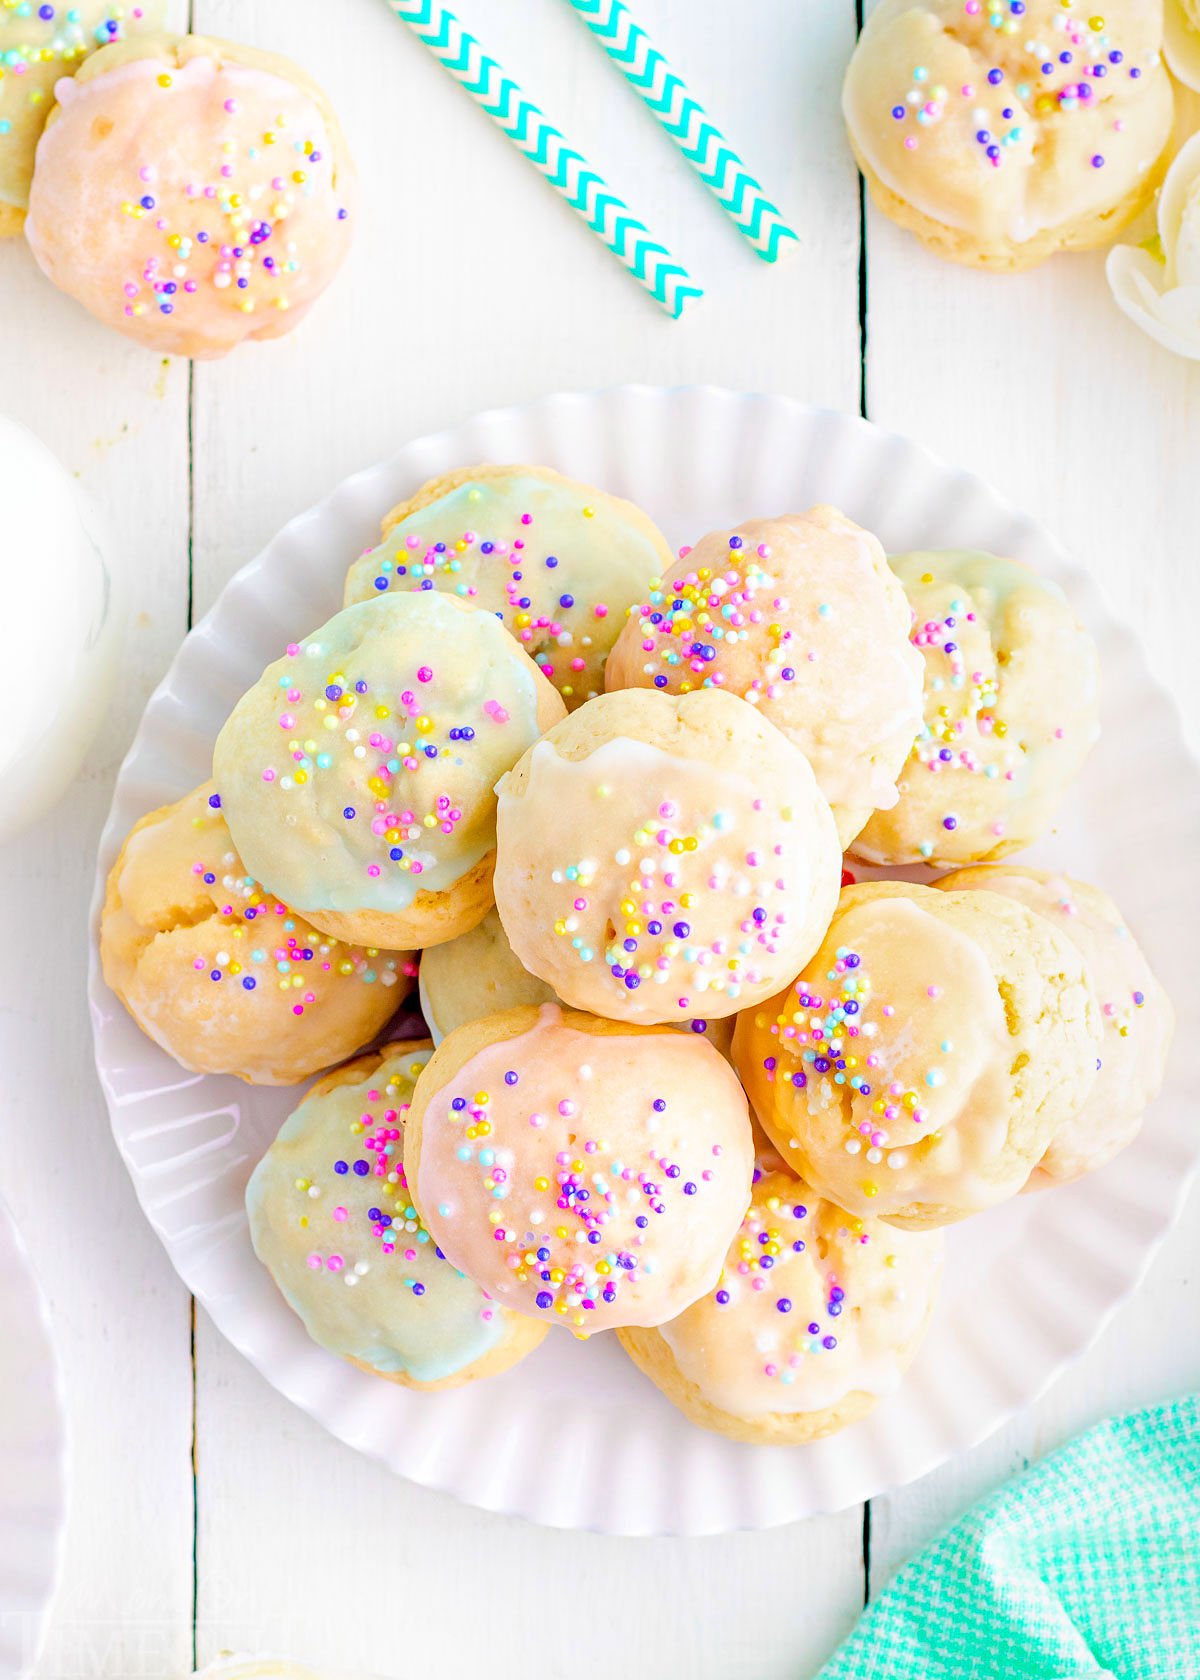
39, 45
478, 973
583, 1172
803, 617
357, 774
1003, 132
475, 975
221, 974
559, 563
920, 1066
816, 1316
664, 856
1011, 712
332, 1221
191, 193
1136, 1014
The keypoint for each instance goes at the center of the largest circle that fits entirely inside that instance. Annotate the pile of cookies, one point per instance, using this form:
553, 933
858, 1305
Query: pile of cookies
688, 1080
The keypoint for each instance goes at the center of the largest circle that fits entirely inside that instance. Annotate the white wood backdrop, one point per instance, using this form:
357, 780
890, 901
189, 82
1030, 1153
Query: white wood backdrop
206, 1512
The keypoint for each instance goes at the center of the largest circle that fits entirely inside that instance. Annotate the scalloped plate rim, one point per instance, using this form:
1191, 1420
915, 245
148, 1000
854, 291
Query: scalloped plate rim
340, 500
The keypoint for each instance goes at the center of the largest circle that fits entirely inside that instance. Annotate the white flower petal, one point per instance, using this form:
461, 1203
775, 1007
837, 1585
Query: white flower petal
1136, 282
1162, 294
1176, 197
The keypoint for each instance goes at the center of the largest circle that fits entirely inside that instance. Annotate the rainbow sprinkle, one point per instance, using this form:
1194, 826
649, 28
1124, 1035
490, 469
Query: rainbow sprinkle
1041, 76
577, 1225
262, 944
774, 1240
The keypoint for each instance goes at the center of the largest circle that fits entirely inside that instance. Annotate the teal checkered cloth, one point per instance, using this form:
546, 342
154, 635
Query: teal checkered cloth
1086, 1567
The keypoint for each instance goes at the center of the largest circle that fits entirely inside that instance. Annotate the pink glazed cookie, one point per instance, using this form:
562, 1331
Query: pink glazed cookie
583, 1172
191, 193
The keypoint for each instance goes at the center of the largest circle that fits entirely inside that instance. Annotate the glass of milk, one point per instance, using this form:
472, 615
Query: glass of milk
61, 642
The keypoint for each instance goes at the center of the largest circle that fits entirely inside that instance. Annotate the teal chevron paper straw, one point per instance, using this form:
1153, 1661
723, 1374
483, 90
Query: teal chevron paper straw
567, 171
705, 147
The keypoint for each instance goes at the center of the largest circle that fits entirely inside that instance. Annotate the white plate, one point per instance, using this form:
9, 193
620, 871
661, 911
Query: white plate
33, 1475
575, 1437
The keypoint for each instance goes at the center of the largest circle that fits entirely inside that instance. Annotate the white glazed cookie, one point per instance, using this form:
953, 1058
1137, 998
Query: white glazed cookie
41, 42
814, 1319
221, 974
478, 973
1002, 131
357, 775
802, 617
664, 856
1135, 1012
191, 193
559, 563
1011, 712
585, 1173
332, 1220
920, 1066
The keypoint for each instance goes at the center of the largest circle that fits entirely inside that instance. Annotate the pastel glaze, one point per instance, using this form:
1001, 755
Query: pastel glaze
219, 972
479, 973
332, 1220
919, 1067
662, 858
191, 194
1136, 1014
802, 617
1011, 711
559, 563
812, 1306
585, 1174
41, 44
359, 771
1009, 130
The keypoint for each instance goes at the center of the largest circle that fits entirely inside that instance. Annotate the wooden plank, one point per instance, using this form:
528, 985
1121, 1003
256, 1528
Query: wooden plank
470, 285
1040, 384
117, 417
